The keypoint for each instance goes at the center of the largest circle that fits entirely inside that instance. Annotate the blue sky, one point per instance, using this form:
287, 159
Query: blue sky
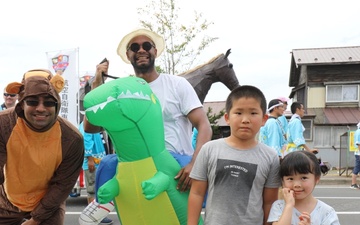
261, 35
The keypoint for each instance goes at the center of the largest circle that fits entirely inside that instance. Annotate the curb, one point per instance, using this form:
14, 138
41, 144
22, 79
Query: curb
335, 181
333, 178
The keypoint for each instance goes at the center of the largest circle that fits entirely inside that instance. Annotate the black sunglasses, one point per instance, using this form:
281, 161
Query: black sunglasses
37, 102
135, 47
11, 95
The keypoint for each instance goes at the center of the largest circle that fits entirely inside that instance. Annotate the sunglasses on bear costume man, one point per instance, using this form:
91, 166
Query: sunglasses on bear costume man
34, 102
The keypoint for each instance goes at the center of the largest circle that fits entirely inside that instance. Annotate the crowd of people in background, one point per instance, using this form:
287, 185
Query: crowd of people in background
282, 135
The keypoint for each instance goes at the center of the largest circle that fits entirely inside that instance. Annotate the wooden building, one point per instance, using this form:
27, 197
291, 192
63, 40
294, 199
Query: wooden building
326, 81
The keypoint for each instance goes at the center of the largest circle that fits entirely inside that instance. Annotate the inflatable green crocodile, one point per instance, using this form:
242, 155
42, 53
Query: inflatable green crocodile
144, 188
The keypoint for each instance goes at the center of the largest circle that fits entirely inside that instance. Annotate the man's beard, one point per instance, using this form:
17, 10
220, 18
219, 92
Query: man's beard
143, 68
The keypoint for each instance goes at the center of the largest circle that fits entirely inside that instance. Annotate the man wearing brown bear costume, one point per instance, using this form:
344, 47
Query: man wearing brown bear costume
40, 153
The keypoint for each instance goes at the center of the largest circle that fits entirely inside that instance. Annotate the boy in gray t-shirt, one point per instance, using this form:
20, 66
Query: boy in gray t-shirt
239, 174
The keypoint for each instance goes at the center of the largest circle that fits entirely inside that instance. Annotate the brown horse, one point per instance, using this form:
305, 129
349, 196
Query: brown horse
218, 69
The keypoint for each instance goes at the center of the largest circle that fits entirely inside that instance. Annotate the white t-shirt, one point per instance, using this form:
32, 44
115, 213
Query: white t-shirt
177, 98
322, 214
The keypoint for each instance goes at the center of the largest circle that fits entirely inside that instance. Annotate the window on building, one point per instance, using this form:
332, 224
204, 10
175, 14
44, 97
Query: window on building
342, 93
328, 136
323, 137
308, 129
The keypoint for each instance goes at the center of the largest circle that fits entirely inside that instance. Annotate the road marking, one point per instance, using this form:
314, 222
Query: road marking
333, 187
339, 197
348, 213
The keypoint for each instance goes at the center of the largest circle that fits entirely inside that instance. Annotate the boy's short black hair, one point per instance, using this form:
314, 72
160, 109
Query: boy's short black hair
246, 91
294, 106
300, 162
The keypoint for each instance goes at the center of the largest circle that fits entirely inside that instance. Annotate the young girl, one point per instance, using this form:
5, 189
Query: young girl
300, 172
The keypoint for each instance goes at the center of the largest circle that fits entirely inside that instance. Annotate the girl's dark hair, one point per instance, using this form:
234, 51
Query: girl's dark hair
301, 162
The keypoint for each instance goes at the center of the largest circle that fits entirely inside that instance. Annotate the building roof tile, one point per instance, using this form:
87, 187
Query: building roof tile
335, 115
350, 54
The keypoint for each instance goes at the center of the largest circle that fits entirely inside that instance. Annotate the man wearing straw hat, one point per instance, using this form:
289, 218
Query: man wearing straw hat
181, 107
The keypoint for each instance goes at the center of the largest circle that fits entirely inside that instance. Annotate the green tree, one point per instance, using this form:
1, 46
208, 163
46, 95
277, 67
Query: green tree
162, 17
213, 119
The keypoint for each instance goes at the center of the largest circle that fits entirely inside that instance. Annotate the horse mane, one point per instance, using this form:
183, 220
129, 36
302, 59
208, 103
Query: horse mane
202, 65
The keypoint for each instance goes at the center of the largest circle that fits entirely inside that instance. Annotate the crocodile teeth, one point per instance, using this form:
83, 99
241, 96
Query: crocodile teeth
122, 95
95, 108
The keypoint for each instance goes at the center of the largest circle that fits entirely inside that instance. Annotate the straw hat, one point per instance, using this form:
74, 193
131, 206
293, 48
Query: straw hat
157, 39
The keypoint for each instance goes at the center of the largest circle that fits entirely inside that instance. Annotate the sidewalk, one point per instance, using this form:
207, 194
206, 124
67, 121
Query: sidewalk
333, 178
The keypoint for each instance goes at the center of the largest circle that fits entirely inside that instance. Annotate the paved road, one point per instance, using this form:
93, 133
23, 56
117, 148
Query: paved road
344, 200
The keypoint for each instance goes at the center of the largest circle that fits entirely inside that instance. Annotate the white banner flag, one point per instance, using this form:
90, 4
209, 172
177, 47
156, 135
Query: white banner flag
65, 63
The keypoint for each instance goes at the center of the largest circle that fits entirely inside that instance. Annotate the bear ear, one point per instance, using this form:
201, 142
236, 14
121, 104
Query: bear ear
58, 82
14, 88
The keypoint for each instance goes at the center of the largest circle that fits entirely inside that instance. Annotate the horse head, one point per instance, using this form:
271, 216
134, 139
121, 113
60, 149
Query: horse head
218, 69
